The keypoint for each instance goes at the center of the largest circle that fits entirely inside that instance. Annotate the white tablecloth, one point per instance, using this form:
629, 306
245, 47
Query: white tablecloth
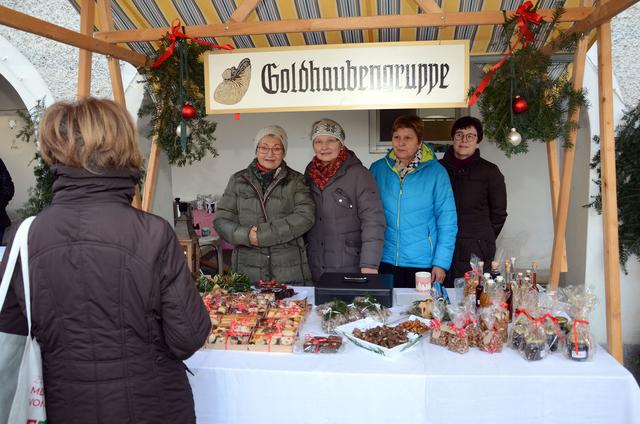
427, 384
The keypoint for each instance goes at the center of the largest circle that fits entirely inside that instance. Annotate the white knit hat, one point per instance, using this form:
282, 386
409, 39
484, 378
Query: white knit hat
327, 127
273, 130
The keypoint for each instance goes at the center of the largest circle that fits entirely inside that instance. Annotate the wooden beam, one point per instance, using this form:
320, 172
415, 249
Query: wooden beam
603, 12
334, 24
429, 6
243, 11
23, 22
609, 195
106, 21
554, 186
567, 171
87, 15
151, 177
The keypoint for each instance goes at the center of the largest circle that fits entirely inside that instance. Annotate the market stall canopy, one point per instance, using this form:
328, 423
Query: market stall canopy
277, 23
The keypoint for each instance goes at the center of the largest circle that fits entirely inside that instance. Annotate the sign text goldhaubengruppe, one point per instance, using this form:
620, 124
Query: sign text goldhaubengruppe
310, 76
418, 74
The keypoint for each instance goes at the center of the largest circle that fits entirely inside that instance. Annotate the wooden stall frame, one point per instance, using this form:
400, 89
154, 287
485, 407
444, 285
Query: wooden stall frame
584, 20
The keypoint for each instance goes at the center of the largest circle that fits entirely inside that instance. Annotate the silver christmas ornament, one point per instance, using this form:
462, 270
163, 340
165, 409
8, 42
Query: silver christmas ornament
179, 133
514, 137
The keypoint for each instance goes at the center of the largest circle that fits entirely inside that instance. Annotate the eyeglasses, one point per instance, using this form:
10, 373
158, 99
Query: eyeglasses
469, 136
277, 150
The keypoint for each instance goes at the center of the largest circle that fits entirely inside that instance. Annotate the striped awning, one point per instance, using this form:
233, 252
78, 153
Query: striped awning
484, 39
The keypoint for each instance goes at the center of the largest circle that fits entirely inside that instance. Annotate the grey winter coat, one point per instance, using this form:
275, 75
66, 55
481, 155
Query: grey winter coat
282, 215
350, 224
114, 307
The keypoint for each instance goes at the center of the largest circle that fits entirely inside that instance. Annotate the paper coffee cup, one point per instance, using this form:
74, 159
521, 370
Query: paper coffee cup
423, 281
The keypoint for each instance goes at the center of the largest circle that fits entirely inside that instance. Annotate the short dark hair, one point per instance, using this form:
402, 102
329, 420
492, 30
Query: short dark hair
412, 122
466, 122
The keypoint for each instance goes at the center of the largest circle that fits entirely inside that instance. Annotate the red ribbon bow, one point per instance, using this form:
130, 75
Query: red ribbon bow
525, 36
460, 330
525, 16
175, 34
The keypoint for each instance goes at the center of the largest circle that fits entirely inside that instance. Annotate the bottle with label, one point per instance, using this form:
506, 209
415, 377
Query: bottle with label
534, 272
480, 286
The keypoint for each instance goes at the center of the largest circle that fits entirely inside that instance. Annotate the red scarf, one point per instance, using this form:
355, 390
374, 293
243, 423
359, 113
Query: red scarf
320, 173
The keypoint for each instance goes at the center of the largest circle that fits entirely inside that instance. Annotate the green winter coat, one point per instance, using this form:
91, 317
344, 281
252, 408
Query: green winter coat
282, 214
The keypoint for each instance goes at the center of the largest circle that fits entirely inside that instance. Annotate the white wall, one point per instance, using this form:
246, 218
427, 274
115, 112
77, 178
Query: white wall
528, 233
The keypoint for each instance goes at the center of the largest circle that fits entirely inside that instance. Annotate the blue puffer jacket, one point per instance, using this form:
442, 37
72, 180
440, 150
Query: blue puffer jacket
420, 212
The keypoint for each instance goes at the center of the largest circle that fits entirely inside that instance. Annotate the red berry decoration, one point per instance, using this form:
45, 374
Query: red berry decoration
188, 111
520, 105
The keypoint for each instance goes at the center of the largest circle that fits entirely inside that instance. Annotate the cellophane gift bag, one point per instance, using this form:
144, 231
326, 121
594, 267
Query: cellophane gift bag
457, 340
579, 345
438, 337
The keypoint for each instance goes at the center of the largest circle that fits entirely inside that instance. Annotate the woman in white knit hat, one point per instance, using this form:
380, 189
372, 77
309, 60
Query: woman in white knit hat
265, 210
349, 231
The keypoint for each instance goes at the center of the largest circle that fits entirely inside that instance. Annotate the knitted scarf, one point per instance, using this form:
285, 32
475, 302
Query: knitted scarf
320, 173
264, 175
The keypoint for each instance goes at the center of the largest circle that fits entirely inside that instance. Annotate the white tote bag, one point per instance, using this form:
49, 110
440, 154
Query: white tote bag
28, 402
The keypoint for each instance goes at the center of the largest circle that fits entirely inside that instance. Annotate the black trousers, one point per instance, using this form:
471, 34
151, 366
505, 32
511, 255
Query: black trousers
403, 276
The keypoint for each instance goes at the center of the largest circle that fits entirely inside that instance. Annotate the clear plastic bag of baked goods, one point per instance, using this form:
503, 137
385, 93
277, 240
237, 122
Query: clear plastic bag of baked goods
438, 337
422, 308
580, 344
491, 339
500, 310
319, 344
472, 322
457, 340
369, 306
336, 313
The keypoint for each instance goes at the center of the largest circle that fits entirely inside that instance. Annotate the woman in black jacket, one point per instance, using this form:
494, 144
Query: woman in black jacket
6, 194
481, 197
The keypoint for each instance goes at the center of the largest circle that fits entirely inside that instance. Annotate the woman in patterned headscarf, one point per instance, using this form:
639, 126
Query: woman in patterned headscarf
418, 205
349, 229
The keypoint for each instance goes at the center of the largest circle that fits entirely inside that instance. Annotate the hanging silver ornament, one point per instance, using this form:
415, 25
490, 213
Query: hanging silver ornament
179, 133
514, 137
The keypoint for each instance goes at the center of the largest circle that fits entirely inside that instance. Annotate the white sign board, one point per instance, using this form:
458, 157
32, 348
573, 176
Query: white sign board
419, 74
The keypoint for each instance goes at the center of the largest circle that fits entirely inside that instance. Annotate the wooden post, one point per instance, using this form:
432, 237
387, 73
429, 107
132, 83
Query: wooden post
151, 178
106, 22
87, 14
567, 171
609, 195
554, 185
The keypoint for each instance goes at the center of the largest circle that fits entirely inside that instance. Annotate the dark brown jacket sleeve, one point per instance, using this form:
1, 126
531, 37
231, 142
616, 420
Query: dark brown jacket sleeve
185, 320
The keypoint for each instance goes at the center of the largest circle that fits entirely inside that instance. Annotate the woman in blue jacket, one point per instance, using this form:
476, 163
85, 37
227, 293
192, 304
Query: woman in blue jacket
418, 205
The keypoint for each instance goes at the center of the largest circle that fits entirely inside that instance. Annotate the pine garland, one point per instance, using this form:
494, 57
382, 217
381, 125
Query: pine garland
628, 184
551, 101
41, 195
163, 86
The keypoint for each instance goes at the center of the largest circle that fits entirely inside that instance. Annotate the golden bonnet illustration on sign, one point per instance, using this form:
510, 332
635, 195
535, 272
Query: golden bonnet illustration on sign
235, 83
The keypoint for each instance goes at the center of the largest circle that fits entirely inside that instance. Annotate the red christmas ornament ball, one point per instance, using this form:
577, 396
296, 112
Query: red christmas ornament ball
188, 111
520, 105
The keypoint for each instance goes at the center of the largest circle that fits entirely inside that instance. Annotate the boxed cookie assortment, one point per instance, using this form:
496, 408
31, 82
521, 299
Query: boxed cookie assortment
253, 320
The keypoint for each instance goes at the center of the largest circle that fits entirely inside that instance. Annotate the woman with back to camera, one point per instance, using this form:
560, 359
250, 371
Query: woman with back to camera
265, 210
114, 307
418, 205
349, 230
